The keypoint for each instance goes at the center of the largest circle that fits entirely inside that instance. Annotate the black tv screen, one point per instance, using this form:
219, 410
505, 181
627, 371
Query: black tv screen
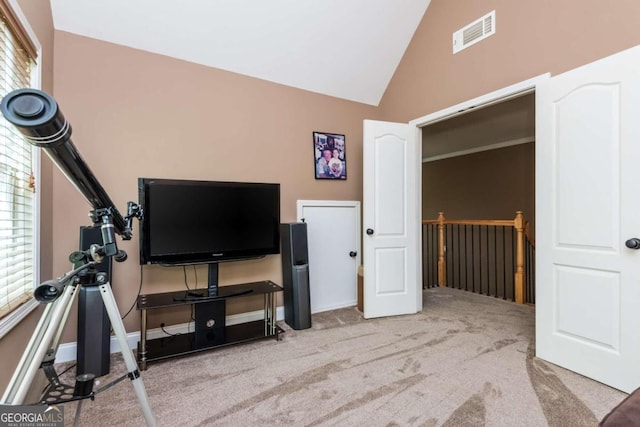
191, 222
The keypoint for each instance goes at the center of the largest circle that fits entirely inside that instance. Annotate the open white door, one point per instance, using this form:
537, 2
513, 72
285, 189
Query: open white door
391, 219
588, 207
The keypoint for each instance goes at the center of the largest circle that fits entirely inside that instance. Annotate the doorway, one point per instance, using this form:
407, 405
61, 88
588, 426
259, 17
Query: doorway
478, 170
479, 164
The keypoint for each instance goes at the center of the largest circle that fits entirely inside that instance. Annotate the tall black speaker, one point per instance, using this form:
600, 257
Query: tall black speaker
94, 327
295, 275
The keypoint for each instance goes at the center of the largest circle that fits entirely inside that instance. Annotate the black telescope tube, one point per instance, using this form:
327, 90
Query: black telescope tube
38, 118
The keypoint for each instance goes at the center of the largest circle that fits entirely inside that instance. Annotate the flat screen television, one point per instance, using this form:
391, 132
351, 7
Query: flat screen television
195, 222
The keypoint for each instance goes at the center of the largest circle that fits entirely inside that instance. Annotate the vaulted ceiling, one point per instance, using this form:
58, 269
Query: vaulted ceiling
347, 49
343, 48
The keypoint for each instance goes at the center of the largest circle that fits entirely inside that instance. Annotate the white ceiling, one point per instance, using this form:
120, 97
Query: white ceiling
343, 48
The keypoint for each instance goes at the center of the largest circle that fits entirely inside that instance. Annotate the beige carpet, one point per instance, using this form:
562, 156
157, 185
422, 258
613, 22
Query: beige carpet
465, 360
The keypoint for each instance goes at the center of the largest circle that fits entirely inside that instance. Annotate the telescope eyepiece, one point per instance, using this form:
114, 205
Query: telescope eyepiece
48, 291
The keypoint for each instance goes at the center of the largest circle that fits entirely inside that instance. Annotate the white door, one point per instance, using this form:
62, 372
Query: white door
391, 219
333, 239
587, 196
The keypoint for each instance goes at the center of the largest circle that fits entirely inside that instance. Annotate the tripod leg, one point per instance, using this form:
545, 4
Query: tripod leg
49, 328
127, 354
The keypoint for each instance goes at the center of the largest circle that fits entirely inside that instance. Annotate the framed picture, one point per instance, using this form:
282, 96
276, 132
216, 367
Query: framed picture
329, 156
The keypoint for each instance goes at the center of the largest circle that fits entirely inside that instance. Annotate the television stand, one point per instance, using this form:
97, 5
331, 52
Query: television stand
210, 329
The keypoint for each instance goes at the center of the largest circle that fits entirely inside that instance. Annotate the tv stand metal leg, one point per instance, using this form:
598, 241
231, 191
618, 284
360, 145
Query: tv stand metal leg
266, 313
273, 313
269, 314
142, 351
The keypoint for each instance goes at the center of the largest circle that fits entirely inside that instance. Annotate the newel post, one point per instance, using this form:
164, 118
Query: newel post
441, 262
518, 224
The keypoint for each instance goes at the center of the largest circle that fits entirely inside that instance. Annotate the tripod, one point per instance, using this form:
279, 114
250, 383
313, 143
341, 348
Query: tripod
42, 347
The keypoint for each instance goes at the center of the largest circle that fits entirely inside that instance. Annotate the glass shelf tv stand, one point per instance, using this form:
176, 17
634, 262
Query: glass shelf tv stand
210, 330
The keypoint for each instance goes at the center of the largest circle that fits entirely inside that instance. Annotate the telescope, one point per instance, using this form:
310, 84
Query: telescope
37, 116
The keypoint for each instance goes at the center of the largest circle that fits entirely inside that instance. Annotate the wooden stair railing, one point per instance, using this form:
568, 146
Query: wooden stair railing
522, 232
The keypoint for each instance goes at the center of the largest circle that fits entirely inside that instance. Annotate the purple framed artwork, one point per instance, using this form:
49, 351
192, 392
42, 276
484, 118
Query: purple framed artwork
329, 155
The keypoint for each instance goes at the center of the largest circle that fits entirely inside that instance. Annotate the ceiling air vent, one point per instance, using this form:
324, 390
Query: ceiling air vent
478, 30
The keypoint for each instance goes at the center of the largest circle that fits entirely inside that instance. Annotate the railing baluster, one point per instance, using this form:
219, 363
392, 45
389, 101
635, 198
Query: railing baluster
504, 263
466, 266
426, 255
513, 263
433, 254
425, 269
458, 256
441, 261
509, 261
531, 272
480, 260
526, 270
487, 251
473, 259
495, 259
449, 255
433, 260
455, 245
434, 230
429, 256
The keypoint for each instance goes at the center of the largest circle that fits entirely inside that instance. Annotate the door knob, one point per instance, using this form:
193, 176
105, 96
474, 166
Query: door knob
353, 254
633, 243
369, 231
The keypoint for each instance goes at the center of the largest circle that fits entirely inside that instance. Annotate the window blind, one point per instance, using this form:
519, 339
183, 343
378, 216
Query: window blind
16, 179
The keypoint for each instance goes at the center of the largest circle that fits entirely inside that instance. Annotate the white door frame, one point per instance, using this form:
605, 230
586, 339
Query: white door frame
495, 97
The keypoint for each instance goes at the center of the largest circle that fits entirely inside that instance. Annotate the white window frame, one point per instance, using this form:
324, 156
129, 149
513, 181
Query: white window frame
16, 316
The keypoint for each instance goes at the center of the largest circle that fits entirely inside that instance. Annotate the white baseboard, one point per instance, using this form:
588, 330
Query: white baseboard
342, 304
67, 352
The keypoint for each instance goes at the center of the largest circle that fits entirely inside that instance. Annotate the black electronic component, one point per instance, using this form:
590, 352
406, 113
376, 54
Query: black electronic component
295, 275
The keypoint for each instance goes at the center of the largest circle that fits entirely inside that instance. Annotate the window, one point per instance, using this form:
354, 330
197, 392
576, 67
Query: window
17, 184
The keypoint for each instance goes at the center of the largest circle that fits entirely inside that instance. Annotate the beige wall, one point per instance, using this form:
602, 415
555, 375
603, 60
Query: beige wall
532, 37
12, 345
137, 114
486, 185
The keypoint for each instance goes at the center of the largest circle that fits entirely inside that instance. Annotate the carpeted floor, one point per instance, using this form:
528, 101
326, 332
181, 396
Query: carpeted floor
465, 360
